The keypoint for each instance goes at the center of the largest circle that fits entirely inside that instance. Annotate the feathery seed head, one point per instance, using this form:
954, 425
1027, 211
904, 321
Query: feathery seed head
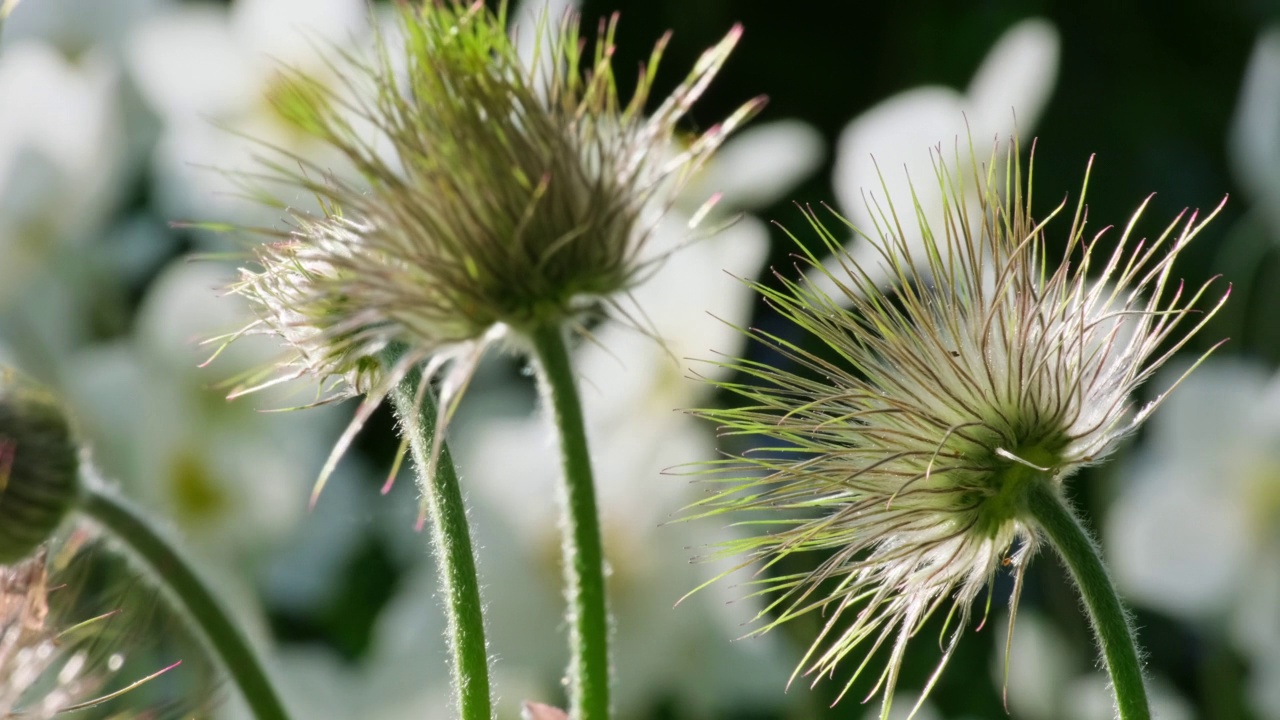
492, 197
39, 466
59, 653
904, 448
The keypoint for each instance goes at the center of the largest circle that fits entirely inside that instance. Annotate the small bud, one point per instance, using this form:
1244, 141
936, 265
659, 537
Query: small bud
39, 465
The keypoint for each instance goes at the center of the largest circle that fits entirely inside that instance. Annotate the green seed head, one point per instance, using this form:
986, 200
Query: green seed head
39, 464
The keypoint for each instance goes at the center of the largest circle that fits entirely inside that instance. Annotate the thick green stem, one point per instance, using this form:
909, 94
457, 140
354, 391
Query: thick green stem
1110, 622
128, 525
582, 548
455, 560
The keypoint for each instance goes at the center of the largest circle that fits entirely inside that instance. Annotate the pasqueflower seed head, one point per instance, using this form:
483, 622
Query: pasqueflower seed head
902, 443
492, 197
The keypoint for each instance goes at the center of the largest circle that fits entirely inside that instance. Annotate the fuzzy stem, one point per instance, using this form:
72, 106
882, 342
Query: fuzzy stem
455, 560
128, 525
582, 547
1110, 622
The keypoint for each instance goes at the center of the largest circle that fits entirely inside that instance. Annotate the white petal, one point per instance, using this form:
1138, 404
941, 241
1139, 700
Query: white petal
1254, 141
1177, 547
1264, 683
759, 165
296, 32
189, 167
104, 386
1089, 697
700, 283
308, 570
177, 325
317, 684
890, 141
883, 154
190, 65
60, 142
687, 304
1017, 75
75, 25
1255, 624
511, 464
1040, 663
1206, 420
1016, 78
182, 308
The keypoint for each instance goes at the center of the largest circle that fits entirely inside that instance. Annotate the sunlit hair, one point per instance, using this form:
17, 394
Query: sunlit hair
901, 436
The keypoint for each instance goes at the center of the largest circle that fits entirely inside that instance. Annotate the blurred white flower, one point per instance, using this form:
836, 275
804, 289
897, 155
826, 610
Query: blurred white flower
76, 26
210, 72
319, 685
1196, 528
234, 480
1048, 679
60, 165
881, 155
1088, 697
1254, 141
1038, 664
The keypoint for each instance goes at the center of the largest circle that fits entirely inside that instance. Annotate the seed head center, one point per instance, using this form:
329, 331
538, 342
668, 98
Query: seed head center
1014, 474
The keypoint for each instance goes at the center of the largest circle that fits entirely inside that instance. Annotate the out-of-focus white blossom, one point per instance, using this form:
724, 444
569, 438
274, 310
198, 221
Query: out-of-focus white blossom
1089, 697
1048, 679
878, 156
317, 684
210, 72
1036, 667
76, 26
1195, 530
6, 7
1254, 141
59, 143
60, 162
231, 478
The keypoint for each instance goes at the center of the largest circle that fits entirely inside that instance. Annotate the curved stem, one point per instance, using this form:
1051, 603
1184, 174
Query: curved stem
1110, 621
128, 525
455, 560
582, 548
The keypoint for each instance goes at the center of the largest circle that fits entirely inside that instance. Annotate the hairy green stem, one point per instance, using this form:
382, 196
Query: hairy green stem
582, 548
1110, 621
128, 525
455, 559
